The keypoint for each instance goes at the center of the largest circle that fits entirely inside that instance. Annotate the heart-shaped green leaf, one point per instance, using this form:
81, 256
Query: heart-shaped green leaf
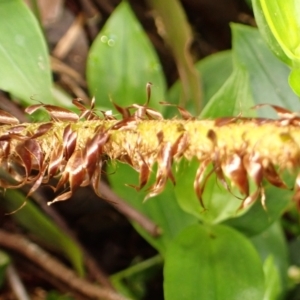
212, 262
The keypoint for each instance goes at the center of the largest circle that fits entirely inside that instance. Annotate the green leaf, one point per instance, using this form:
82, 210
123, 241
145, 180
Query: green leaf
162, 209
267, 34
212, 262
232, 99
282, 17
294, 81
273, 287
4, 262
210, 79
31, 218
122, 60
271, 245
25, 67
54, 295
268, 76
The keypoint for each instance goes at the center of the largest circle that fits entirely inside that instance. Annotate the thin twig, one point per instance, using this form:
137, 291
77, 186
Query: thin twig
91, 264
127, 210
16, 284
60, 67
66, 43
50, 264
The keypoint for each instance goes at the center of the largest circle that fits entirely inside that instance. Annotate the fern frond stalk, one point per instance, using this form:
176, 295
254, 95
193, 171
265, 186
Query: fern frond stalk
239, 149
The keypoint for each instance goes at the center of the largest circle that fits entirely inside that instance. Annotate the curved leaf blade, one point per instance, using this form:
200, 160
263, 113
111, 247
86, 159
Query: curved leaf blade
25, 67
31, 218
4, 262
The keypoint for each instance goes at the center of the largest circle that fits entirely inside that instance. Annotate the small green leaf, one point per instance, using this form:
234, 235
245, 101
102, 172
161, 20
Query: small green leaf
31, 218
4, 262
162, 209
121, 62
25, 67
269, 244
212, 262
273, 287
294, 81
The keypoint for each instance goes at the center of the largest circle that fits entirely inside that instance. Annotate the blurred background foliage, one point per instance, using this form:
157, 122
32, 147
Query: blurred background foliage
206, 56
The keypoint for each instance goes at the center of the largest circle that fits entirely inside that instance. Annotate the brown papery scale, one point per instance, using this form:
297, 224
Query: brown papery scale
71, 147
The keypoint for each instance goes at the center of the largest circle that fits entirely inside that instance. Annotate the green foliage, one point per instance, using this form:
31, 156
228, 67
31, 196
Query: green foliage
23, 54
216, 261
31, 218
4, 262
121, 61
210, 257
279, 24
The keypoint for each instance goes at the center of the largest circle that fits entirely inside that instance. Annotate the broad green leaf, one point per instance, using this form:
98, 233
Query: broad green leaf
25, 68
210, 79
4, 262
268, 76
121, 62
162, 209
212, 262
31, 218
271, 245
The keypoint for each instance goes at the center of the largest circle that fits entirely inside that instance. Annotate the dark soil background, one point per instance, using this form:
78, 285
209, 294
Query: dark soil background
107, 234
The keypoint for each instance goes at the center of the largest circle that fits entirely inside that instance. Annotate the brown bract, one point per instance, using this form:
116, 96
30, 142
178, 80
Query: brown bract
72, 147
